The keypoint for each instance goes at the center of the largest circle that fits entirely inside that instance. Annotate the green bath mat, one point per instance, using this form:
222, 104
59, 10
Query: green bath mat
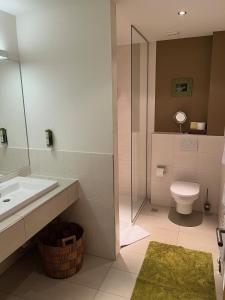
175, 273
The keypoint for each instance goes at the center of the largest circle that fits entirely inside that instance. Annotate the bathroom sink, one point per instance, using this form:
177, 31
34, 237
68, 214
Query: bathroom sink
20, 191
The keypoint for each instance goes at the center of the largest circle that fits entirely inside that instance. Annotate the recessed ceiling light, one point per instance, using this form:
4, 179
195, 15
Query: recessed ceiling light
182, 13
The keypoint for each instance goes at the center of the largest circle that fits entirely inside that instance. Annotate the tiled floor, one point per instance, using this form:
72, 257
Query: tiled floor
101, 279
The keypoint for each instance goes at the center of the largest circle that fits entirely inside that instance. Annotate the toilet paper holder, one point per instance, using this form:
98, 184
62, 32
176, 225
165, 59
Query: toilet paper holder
160, 171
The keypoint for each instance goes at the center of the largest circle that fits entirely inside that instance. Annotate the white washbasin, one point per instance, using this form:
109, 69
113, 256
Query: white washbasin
20, 191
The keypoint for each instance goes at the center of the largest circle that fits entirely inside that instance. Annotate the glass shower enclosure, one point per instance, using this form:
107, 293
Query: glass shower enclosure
139, 120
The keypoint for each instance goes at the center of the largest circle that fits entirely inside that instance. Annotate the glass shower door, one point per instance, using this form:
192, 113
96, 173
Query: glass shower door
139, 114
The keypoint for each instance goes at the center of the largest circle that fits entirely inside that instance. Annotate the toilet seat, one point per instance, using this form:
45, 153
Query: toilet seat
185, 189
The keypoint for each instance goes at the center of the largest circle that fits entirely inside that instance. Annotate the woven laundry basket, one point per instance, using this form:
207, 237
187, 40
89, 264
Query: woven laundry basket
61, 246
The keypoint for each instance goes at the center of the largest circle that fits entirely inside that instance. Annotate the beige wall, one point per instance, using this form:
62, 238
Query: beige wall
216, 115
200, 58
202, 166
182, 58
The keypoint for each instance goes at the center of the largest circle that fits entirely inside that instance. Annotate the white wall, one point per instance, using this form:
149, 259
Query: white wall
66, 62
202, 166
66, 55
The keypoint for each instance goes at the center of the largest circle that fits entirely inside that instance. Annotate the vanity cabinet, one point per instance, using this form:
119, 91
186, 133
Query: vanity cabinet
23, 225
11, 239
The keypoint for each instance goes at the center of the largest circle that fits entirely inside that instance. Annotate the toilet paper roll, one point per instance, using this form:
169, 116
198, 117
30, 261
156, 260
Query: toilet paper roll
160, 171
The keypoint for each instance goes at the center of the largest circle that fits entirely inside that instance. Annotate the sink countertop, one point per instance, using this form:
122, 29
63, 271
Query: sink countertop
19, 215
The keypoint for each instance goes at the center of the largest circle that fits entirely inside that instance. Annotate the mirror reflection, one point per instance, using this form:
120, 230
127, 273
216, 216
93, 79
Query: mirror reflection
13, 137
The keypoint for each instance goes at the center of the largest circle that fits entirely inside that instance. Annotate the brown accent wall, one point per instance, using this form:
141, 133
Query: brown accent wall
181, 58
216, 115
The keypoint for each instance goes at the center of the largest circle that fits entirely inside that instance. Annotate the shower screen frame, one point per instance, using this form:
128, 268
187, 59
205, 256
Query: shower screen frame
134, 214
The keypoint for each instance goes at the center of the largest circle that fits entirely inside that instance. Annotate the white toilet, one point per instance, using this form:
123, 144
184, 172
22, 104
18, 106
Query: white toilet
184, 194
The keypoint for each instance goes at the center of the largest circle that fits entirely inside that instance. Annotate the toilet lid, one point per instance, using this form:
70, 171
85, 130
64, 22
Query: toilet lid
185, 189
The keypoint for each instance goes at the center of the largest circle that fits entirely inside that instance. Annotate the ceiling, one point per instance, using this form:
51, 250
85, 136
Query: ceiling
158, 18
18, 7
154, 18
15, 7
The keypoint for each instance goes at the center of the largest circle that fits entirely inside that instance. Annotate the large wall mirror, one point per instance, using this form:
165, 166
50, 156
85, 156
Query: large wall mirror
14, 154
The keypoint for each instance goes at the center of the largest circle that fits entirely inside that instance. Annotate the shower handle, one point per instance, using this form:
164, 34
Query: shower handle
219, 232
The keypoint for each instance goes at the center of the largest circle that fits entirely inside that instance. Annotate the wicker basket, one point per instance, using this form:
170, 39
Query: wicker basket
61, 247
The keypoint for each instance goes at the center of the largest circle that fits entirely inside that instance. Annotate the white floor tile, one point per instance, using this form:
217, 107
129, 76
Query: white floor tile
167, 236
101, 279
93, 272
209, 232
40, 287
150, 219
106, 296
219, 286
119, 283
139, 247
19, 272
198, 241
157, 234
129, 261
208, 226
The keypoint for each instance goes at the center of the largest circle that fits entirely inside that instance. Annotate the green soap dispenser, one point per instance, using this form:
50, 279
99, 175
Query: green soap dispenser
3, 136
49, 138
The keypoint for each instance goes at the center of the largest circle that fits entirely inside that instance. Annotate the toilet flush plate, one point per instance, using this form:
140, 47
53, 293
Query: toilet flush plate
189, 144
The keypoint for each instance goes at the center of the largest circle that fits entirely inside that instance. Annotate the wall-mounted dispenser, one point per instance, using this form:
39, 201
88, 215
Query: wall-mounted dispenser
3, 136
49, 138
3, 55
160, 171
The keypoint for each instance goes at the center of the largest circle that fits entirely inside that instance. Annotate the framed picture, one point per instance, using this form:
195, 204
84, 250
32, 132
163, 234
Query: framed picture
182, 87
